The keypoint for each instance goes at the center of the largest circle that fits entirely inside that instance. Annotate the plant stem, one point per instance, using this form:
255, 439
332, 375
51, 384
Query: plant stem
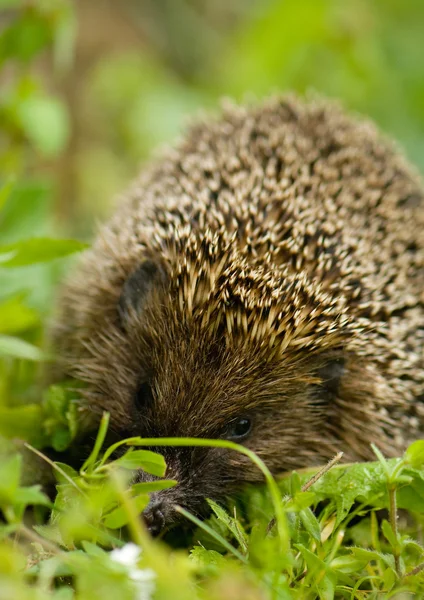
54, 466
416, 570
33, 537
393, 523
322, 471
104, 423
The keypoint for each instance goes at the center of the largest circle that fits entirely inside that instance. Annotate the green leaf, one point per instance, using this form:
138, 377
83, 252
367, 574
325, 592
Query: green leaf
61, 438
347, 485
17, 348
415, 454
326, 586
51, 533
7, 257
93, 550
119, 516
151, 462
381, 458
27, 210
323, 576
10, 474
300, 501
25, 422
31, 496
389, 578
39, 250
55, 402
411, 496
410, 543
348, 564
231, 523
310, 523
5, 192
295, 484
15, 316
364, 554
389, 533
64, 593
312, 560
207, 558
61, 415
72, 474
25, 37
45, 122
369, 555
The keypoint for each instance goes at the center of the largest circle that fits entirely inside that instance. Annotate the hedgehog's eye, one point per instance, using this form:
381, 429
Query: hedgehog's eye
238, 430
143, 396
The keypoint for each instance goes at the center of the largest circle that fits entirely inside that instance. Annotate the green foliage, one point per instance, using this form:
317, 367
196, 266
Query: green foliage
34, 127
45, 123
321, 559
22, 413
29, 116
59, 416
36, 250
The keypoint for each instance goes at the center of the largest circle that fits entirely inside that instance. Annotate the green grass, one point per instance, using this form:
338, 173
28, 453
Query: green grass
345, 532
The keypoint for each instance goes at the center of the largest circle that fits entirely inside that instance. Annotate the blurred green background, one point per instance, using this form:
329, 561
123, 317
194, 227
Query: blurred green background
90, 88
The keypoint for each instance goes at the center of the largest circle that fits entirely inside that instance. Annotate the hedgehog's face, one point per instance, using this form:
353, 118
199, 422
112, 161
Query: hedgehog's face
189, 383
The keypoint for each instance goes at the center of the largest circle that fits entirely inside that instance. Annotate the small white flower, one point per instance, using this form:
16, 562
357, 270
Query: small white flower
128, 555
144, 579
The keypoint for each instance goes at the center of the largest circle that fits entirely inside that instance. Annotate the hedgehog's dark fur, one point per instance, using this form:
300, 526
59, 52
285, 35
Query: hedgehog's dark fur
284, 282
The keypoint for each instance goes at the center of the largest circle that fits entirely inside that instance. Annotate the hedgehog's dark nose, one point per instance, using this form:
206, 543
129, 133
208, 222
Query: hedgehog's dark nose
154, 517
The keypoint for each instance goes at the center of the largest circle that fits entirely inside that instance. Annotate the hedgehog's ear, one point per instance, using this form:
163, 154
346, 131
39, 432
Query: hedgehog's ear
137, 287
330, 374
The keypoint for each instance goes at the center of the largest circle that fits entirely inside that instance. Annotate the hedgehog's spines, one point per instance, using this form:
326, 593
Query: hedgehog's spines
288, 231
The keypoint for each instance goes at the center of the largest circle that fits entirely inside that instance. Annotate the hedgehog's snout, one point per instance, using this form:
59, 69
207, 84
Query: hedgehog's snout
198, 477
160, 511
155, 516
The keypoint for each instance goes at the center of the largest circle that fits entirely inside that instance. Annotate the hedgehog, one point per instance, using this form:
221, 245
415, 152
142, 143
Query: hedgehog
260, 282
